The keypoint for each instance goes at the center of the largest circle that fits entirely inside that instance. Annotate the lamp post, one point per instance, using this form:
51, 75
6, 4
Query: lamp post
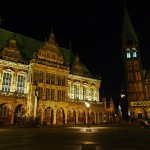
87, 106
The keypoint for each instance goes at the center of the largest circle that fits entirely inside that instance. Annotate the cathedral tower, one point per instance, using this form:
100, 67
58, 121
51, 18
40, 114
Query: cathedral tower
135, 91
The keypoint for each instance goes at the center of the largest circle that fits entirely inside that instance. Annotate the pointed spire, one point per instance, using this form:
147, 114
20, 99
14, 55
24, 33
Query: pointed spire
51, 38
128, 29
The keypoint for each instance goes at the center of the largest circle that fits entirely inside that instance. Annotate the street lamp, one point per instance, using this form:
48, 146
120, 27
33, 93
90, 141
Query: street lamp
87, 106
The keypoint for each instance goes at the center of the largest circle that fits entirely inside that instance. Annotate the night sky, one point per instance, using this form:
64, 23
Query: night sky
94, 29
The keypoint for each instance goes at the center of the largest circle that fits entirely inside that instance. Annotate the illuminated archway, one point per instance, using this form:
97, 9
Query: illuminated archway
19, 115
71, 116
81, 117
91, 117
5, 113
60, 116
139, 113
48, 116
98, 117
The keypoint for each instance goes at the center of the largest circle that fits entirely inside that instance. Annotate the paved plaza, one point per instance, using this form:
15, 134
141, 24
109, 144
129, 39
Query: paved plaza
75, 138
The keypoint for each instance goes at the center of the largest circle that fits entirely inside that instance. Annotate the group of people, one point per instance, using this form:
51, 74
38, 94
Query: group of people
144, 124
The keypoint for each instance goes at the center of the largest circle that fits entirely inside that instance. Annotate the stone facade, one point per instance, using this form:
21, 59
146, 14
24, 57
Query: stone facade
47, 86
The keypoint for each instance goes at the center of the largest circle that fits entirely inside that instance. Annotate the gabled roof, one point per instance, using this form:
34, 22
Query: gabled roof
128, 29
28, 46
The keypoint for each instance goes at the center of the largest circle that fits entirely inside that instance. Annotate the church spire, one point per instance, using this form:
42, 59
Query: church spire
128, 29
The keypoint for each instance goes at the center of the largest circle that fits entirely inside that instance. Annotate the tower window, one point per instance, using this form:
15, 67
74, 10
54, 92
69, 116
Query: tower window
128, 55
134, 54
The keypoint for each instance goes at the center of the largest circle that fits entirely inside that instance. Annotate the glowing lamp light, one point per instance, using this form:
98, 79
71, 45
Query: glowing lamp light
122, 95
87, 105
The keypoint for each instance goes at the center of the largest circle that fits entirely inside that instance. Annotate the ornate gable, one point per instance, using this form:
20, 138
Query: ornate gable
11, 51
49, 51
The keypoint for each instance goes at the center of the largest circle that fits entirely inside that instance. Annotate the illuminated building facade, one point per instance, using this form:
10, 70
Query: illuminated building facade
137, 79
44, 81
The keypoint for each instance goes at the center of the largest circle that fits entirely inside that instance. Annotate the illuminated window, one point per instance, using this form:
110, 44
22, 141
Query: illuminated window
59, 80
52, 94
21, 84
128, 55
7, 77
69, 90
61, 95
52, 78
47, 94
40, 92
84, 93
76, 91
48, 78
63, 80
38, 77
134, 52
92, 94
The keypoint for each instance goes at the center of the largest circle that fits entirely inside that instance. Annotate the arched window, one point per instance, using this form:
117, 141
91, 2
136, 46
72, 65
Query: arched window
134, 52
128, 53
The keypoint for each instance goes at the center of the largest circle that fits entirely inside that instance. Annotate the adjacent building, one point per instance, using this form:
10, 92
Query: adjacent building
137, 80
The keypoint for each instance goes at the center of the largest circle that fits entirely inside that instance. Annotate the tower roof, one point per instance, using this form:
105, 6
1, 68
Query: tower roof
128, 29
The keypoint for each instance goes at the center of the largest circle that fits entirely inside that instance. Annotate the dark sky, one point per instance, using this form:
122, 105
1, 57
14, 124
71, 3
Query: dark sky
94, 29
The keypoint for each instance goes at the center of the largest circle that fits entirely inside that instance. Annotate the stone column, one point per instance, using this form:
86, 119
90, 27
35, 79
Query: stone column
54, 120
65, 118
86, 117
12, 117
95, 119
77, 118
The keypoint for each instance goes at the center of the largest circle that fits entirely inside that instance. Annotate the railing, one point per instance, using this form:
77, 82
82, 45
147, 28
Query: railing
13, 94
83, 101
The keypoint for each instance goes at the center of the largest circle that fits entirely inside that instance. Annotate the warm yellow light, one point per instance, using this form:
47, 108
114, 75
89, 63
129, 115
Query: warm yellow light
87, 105
122, 95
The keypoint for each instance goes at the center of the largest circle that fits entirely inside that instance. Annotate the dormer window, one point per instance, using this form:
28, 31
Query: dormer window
134, 53
128, 53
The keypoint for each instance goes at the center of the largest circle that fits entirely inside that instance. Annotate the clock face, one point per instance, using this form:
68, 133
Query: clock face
129, 42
